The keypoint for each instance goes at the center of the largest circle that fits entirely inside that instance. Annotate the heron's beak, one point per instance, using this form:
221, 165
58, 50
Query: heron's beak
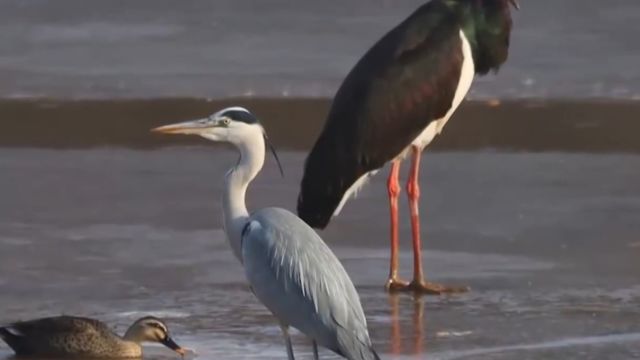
515, 4
194, 127
168, 342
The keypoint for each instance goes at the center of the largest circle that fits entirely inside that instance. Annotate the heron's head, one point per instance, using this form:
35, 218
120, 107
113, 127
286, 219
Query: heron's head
152, 329
235, 125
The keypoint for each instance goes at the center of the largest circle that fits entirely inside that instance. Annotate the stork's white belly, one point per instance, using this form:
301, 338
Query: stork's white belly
435, 127
464, 84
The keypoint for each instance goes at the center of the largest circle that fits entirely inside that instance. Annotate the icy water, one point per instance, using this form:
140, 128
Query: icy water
549, 244
154, 48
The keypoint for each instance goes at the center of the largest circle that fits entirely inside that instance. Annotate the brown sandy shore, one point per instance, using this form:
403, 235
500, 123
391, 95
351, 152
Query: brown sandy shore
293, 123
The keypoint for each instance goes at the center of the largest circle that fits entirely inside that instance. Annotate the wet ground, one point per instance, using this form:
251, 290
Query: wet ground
548, 242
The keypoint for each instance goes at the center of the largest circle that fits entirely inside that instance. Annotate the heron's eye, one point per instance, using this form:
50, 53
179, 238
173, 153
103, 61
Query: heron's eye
226, 121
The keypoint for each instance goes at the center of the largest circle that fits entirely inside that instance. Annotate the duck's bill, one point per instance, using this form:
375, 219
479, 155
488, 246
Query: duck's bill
515, 4
188, 127
168, 342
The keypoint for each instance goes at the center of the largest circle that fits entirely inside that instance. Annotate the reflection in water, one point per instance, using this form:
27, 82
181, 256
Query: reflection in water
418, 324
396, 337
417, 320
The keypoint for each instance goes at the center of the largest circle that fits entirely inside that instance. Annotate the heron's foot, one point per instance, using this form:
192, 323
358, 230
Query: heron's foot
429, 288
396, 285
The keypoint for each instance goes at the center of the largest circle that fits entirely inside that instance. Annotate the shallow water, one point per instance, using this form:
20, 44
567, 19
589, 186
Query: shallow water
151, 48
548, 242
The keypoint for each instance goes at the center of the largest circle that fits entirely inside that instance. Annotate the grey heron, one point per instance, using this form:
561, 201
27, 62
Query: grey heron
393, 103
289, 267
71, 336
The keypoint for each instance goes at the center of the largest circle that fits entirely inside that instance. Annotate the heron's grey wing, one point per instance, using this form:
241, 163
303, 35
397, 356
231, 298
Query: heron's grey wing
301, 281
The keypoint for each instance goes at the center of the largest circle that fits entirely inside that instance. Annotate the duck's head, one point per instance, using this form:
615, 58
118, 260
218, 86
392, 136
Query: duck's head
152, 329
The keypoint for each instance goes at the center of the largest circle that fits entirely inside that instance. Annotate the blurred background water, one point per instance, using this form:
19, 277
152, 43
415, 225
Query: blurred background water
194, 48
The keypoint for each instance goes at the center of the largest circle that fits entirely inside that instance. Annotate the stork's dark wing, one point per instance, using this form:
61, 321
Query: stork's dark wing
405, 81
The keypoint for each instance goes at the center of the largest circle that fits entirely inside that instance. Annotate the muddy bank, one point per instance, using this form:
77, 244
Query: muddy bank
556, 125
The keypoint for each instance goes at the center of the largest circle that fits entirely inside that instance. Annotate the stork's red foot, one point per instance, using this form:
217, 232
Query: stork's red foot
429, 288
396, 285
423, 287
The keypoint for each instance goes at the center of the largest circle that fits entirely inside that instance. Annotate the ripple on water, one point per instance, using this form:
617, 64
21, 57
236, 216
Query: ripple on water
14, 241
168, 314
587, 341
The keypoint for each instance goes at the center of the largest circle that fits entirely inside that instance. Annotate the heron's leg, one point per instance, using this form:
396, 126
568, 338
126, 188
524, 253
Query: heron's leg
393, 187
418, 284
287, 341
315, 351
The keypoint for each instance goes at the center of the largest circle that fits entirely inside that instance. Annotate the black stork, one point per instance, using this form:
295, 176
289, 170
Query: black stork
393, 103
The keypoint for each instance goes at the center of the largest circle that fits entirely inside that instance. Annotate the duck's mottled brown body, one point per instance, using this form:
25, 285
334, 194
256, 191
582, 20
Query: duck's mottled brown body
69, 336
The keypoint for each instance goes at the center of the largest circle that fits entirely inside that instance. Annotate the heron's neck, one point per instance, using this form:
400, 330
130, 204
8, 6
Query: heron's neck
237, 180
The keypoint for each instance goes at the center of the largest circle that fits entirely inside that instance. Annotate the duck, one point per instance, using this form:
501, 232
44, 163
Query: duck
71, 336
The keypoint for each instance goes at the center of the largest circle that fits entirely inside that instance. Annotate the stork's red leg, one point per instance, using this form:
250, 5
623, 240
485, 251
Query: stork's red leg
393, 187
413, 191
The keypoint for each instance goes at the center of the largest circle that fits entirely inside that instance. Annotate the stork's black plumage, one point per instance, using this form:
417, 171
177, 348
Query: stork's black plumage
405, 81
397, 98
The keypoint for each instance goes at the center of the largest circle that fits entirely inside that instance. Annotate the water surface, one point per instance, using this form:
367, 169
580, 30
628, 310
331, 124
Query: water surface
187, 48
548, 242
